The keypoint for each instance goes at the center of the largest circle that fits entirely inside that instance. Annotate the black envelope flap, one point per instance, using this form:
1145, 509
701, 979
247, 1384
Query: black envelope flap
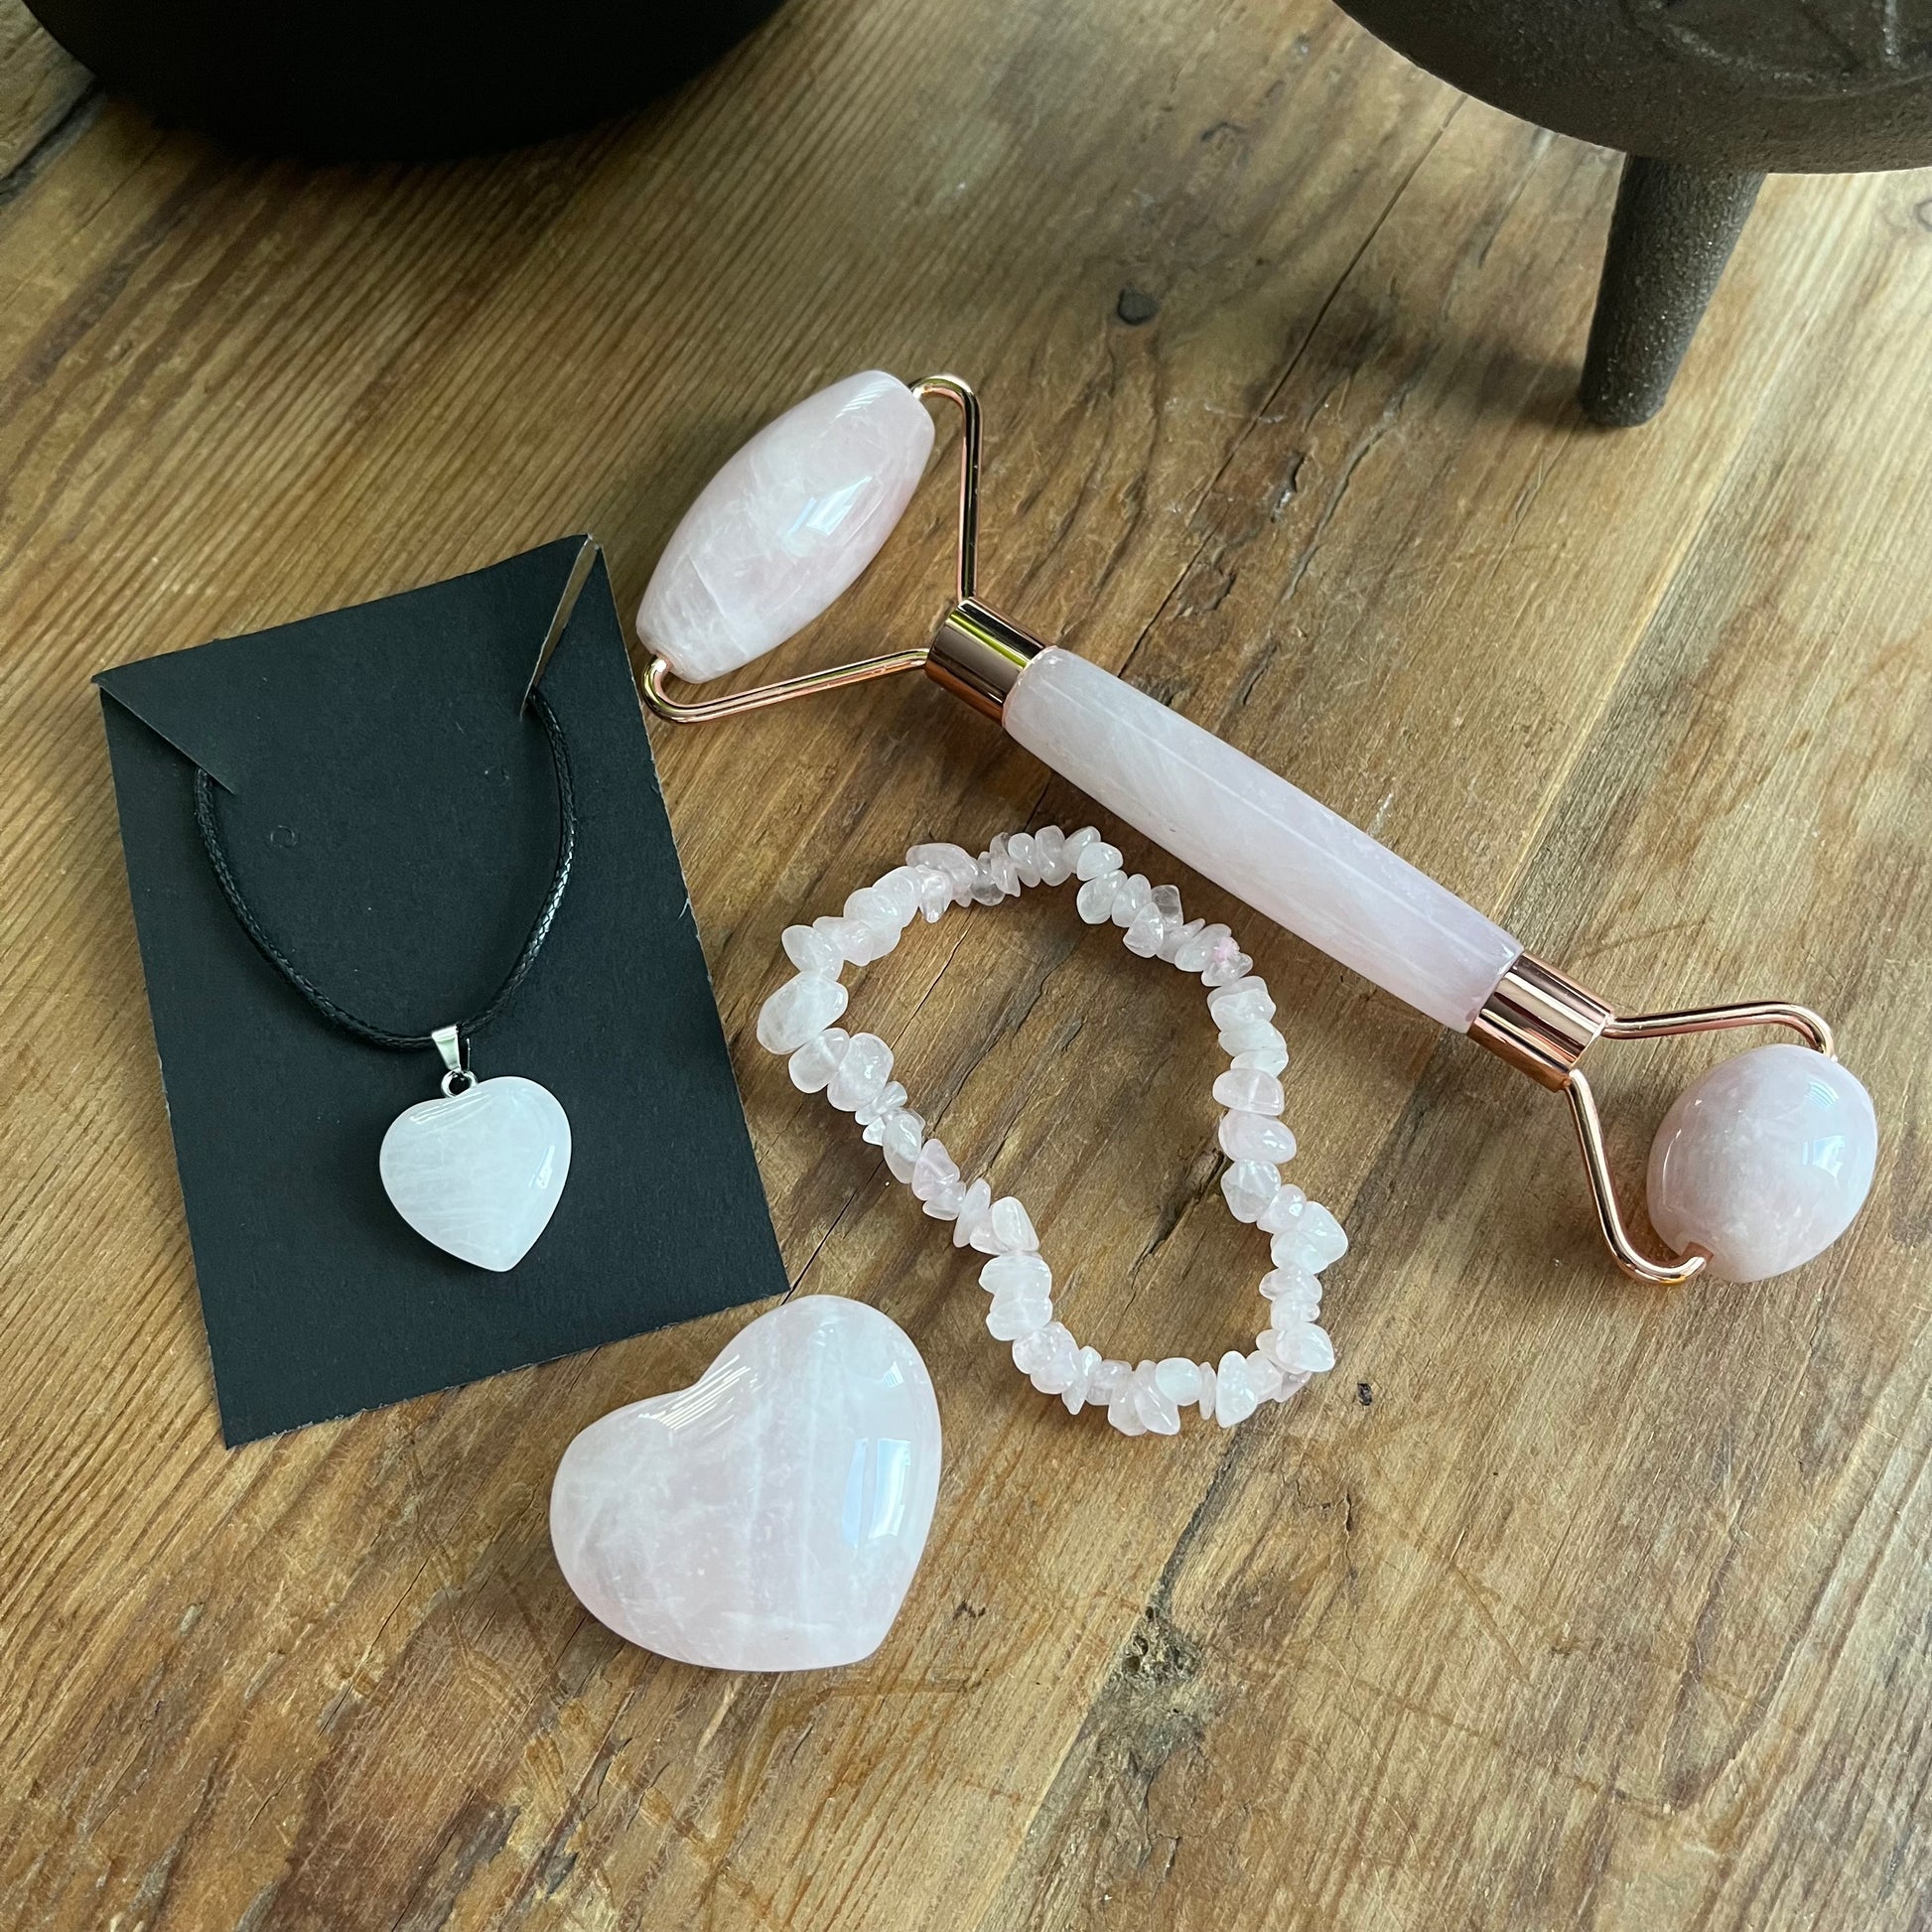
242, 715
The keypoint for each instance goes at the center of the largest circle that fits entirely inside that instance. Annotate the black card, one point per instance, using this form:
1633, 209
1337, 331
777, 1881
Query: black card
391, 810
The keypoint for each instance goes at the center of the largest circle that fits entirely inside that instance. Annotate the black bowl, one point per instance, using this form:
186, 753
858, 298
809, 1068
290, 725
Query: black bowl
403, 80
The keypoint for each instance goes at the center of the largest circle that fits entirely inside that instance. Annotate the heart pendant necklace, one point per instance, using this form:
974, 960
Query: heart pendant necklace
480, 1170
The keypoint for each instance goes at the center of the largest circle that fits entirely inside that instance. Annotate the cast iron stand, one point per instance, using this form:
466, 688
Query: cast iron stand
1672, 232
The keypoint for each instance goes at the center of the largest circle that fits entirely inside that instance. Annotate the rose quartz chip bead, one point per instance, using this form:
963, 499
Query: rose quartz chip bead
854, 1072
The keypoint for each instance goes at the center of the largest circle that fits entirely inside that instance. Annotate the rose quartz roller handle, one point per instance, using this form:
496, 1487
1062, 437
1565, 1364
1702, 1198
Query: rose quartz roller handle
1263, 839
1759, 1167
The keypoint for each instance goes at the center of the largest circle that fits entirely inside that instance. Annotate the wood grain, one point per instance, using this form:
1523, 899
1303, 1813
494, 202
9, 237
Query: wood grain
42, 93
1559, 1604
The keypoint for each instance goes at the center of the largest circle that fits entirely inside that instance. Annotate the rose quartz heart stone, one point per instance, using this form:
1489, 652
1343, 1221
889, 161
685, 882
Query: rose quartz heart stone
786, 525
1763, 1161
772, 1515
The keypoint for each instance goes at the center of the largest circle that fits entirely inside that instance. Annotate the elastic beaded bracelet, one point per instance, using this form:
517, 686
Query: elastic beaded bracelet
853, 1071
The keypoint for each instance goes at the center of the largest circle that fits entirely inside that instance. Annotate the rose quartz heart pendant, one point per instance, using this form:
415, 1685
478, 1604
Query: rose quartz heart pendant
479, 1172
769, 1516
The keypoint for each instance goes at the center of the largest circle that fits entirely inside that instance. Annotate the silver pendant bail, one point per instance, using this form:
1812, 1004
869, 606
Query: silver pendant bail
449, 1042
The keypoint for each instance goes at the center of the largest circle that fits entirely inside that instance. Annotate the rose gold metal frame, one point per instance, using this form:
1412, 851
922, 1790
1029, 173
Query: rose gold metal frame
707, 711
976, 653
1542, 1023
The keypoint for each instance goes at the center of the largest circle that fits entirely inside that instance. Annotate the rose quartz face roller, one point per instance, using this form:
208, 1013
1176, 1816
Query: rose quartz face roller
1758, 1167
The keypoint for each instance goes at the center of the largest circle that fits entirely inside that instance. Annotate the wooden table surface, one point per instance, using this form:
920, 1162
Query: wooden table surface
1559, 1603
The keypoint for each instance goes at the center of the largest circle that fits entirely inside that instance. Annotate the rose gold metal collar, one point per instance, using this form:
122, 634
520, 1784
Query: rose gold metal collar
1542, 1023
976, 653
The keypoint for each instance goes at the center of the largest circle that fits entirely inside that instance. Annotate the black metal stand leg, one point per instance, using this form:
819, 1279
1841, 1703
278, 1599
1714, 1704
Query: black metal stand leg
1672, 233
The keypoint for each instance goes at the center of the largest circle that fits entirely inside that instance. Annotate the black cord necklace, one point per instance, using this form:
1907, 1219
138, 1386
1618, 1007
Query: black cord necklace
466, 1030
478, 1171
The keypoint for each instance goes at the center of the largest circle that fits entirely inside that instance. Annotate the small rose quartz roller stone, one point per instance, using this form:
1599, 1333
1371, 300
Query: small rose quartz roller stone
1763, 1161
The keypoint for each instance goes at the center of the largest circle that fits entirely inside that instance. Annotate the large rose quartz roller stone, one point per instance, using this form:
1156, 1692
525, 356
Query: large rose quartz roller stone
786, 526
1763, 1161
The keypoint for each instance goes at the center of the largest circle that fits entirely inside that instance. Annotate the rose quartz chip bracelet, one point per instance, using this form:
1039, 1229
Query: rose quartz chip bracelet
853, 1071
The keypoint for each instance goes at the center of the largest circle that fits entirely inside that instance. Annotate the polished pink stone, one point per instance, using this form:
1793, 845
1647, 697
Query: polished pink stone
772, 1515
786, 525
1247, 829
1763, 1161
